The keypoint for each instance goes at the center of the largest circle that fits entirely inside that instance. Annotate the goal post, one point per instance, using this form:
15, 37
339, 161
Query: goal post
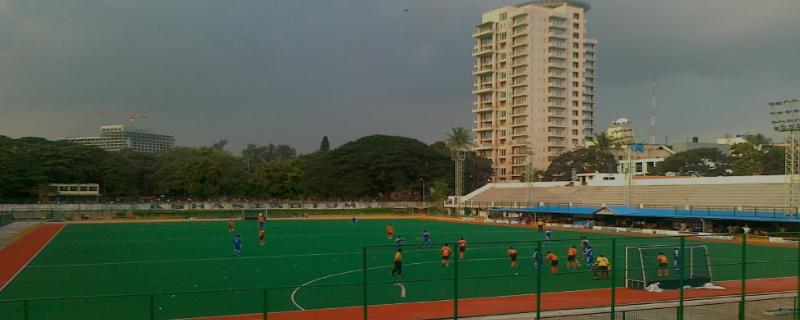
643, 269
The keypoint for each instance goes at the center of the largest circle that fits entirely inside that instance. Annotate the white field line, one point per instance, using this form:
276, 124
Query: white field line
31, 259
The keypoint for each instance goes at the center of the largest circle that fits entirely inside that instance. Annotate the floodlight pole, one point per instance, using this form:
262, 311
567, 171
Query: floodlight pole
458, 157
628, 174
791, 169
529, 174
786, 118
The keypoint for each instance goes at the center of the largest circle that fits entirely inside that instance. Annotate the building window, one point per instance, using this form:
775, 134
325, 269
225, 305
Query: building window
575, 35
576, 25
638, 167
576, 15
503, 16
575, 65
576, 45
576, 55
574, 83
574, 74
574, 141
574, 122
574, 103
574, 132
574, 113
575, 94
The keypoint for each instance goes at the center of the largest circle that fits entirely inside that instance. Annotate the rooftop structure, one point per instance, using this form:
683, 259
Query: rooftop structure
120, 137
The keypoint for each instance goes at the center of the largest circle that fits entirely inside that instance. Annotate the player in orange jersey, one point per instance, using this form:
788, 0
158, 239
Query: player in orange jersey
553, 261
445, 255
512, 254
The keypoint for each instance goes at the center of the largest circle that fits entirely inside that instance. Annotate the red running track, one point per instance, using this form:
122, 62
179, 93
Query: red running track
17, 255
524, 303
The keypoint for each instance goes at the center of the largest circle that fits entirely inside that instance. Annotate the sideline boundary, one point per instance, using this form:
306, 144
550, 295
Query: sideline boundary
521, 304
19, 254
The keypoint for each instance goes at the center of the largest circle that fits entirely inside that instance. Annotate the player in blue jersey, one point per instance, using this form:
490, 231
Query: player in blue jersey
584, 243
588, 254
548, 235
399, 241
237, 245
537, 258
426, 237
676, 258
353, 220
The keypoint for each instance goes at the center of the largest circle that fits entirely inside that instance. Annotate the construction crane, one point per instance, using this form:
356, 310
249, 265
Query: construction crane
131, 116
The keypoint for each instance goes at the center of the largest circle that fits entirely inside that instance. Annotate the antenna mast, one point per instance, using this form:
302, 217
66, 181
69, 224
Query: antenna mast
653, 113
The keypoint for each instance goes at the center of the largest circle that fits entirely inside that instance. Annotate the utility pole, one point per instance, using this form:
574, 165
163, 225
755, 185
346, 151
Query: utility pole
653, 113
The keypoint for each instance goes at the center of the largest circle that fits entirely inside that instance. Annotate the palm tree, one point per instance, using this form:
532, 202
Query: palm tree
602, 141
458, 141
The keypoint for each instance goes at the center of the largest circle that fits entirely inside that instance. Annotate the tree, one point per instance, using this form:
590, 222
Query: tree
259, 154
757, 139
377, 166
279, 179
602, 142
756, 156
220, 144
459, 140
703, 162
284, 152
438, 189
325, 146
582, 160
203, 172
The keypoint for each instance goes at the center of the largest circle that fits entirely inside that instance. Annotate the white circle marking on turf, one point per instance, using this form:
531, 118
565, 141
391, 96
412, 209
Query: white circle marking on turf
294, 292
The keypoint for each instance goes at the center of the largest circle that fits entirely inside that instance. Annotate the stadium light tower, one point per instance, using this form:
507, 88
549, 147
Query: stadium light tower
529, 173
786, 118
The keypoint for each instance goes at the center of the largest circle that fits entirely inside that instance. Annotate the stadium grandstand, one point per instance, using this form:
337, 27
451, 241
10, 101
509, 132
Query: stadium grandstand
704, 204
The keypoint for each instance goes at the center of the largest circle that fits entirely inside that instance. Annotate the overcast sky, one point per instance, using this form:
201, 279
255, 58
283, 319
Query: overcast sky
293, 71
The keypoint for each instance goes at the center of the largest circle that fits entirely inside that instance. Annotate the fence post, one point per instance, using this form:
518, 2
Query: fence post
539, 281
364, 271
152, 307
680, 283
744, 276
455, 290
264, 303
613, 268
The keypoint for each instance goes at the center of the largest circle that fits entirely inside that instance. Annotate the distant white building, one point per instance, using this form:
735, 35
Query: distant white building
731, 141
621, 132
120, 137
74, 189
638, 167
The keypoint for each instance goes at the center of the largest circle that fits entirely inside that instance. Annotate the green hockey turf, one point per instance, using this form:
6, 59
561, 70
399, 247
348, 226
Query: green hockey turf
187, 269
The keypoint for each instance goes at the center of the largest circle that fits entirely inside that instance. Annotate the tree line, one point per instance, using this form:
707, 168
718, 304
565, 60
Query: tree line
756, 155
376, 167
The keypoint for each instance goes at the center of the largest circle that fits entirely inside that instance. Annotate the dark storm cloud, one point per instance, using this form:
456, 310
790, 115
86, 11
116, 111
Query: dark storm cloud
293, 71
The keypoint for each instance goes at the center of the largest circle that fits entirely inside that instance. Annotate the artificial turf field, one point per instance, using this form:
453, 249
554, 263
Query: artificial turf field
173, 266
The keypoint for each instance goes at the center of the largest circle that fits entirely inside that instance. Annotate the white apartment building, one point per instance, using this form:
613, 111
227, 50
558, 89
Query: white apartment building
533, 84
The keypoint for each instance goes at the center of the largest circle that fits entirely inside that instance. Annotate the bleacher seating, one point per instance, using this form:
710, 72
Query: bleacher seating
695, 195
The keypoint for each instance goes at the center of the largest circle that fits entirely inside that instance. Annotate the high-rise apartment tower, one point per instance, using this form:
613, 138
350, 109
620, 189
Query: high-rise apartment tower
533, 85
